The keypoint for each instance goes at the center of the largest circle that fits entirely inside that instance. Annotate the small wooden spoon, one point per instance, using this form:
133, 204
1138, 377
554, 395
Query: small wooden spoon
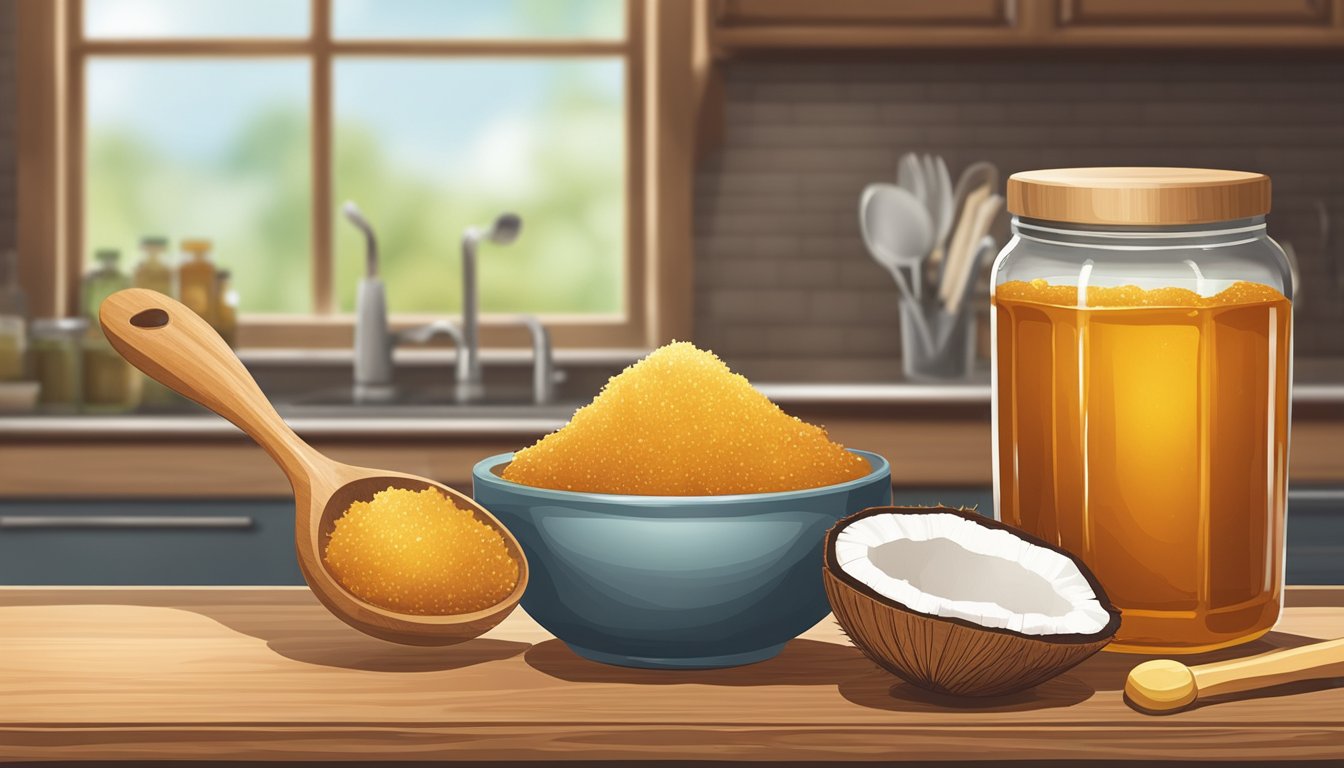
1164, 685
172, 344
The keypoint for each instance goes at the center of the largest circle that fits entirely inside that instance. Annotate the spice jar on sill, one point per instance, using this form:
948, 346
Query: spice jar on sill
1142, 325
198, 281
111, 384
13, 319
58, 361
226, 317
154, 272
103, 281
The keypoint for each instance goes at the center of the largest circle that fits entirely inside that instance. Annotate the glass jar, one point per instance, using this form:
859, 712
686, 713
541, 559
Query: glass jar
197, 281
13, 319
58, 363
226, 315
102, 282
111, 384
154, 272
1142, 325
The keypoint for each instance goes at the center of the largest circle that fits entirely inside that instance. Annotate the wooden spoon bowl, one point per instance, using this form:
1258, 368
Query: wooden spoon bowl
328, 499
176, 347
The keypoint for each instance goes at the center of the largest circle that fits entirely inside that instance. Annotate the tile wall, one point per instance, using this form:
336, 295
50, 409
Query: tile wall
785, 289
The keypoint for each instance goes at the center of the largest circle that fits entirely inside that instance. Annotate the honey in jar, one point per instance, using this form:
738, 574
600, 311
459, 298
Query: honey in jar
1142, 373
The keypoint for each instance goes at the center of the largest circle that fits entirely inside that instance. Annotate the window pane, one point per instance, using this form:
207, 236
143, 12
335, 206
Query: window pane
478, 18
430, 147
156, 19
205, 148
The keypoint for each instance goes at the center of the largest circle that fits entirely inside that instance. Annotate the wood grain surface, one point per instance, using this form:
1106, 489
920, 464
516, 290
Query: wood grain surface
267, 674
1138, 196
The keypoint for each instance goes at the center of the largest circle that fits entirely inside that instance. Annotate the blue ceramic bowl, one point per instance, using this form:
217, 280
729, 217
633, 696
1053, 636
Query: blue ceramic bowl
675, 581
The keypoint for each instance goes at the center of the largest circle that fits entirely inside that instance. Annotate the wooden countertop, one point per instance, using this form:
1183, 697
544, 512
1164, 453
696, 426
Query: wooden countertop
267, 674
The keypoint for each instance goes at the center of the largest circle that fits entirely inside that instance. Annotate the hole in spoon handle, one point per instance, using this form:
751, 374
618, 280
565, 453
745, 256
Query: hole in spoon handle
150, 318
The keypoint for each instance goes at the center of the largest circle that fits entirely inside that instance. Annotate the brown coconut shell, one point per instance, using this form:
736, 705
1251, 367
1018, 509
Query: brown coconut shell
949, 655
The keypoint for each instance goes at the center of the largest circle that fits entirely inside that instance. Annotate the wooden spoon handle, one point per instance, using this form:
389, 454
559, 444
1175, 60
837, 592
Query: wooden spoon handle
172, 344
1309, 662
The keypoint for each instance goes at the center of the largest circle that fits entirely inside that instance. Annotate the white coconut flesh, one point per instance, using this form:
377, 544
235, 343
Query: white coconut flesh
944, 565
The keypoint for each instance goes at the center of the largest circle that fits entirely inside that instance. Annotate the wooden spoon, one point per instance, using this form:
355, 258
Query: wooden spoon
173, 345
1164, 685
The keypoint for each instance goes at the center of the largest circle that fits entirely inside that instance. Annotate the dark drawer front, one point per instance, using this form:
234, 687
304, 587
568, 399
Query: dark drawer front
1316, 536
1315, 526
252, 543
148, 543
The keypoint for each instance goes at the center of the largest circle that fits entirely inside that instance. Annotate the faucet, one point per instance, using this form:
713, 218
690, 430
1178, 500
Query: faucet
503, 231
374, 342
544, 373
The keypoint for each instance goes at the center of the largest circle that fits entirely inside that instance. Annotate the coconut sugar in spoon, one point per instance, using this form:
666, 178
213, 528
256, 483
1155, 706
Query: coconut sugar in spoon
176, 347
1163, 685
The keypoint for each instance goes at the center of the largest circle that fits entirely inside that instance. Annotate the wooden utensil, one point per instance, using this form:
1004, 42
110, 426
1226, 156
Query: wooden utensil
974, 176
1164, 685
176, 347
963, 240
961, 264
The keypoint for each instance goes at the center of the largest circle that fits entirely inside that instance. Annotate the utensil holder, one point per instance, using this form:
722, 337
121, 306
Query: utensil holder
951, 356
947, 351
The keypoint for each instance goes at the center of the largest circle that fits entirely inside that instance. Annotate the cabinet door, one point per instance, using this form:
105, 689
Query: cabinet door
147, 543
1206, 13
863, 12
1316, 535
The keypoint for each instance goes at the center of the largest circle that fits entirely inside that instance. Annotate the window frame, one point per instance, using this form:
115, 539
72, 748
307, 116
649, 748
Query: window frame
658, 54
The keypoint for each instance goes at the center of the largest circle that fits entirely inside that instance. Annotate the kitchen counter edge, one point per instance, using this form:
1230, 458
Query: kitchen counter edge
822, 395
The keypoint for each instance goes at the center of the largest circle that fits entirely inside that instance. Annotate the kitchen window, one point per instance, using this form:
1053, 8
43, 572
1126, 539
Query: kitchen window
250, 121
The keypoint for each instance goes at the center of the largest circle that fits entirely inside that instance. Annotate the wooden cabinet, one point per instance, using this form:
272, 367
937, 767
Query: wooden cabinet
223, 542
747, 13
742, 26
1216, 13
147, 541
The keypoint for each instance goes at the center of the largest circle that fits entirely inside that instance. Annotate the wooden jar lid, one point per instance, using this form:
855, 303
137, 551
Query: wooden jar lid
1138, 196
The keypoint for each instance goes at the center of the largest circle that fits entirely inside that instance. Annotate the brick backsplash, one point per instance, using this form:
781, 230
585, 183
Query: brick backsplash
784, 287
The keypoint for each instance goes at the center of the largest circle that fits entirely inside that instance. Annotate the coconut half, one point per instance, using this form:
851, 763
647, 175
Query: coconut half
957, 603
